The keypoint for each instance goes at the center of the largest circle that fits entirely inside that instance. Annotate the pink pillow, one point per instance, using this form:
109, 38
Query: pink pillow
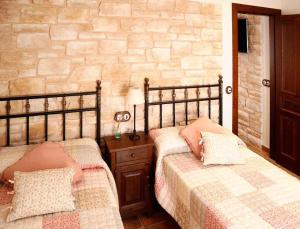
192, 133
48, 155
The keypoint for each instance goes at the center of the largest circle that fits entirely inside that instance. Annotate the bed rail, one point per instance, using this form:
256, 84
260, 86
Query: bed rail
209, 98
46, 112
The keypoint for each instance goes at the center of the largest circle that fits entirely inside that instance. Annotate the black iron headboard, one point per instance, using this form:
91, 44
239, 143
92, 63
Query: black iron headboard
185, 101
46, 112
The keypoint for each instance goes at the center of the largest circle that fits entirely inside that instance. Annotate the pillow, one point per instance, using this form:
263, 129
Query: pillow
169, 142
42, 192
48, 155
221, 149
192, 133
154, 133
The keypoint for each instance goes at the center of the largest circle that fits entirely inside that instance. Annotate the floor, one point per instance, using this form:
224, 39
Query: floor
266, 155
159, 220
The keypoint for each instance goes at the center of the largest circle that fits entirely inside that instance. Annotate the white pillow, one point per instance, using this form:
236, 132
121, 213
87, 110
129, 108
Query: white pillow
42, 192
170, 141
221, 149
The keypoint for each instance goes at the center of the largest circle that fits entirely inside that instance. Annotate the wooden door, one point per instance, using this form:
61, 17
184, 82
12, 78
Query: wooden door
132, 187
287, 44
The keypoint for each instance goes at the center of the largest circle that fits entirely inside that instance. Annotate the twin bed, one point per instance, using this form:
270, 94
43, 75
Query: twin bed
256, 194
96, 198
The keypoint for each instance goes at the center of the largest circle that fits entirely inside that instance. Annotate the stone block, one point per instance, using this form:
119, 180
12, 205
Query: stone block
119, 72
73, 15
158, 26
195, 20
212, 62
18, 59
30, 28
132, 59
139, 52
33, 40
27, 86
91, 36
38, 14
54, 66
133, 25
161, 5
113, 47
86, 74
118, 9
9, 14
203, 48
83, 3
188, 7
159, 55
106, 25
64, 32
140, 41
7, 41
211, 35
50, 2
143, 67
181, 48
192, 62
81, 48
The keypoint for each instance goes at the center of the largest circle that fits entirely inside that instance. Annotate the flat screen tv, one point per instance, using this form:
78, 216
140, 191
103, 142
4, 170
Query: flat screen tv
243, 35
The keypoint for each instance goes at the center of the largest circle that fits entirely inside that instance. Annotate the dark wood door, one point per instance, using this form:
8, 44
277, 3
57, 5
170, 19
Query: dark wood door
132, 184
288, 92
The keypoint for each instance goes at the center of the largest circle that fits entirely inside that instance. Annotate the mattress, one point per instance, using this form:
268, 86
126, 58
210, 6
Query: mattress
257, 194
96, 197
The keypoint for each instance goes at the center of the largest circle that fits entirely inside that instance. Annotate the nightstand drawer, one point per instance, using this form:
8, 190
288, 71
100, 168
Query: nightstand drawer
132, 154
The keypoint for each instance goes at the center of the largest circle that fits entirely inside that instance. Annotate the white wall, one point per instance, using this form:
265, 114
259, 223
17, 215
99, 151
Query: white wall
290, 6
227, 45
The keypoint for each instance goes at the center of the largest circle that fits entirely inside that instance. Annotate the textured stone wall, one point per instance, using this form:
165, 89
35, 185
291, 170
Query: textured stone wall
250, 86
50, 46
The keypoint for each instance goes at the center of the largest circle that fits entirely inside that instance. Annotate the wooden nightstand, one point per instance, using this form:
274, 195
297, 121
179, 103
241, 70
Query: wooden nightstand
130, 163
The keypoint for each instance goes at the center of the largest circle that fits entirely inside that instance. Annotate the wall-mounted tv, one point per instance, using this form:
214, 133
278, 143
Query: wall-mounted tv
243, 35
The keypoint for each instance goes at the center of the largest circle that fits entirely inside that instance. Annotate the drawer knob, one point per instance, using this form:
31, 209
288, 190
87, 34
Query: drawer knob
132, 155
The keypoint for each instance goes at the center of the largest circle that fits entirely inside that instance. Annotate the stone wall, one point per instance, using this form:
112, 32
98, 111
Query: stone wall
250, 86
50, 46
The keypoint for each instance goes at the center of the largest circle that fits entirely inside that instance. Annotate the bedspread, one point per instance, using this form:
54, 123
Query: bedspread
257, 194
96, 198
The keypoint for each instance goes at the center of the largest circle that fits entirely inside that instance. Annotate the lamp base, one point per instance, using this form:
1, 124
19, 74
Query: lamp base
134, 137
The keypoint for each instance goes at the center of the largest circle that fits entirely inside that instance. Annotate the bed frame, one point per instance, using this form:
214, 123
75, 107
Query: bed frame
185, 101
46, 112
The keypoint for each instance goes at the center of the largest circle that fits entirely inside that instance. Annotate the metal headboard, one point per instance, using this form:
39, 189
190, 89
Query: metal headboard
46, 112
185, 101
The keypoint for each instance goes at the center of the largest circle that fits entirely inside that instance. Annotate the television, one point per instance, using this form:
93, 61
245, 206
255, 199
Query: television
243, 35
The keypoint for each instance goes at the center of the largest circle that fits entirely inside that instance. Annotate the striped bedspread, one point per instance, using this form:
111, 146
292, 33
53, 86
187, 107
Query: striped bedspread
96, 197
254, 195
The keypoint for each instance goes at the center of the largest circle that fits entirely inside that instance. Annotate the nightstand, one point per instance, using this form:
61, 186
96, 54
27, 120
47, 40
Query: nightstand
130, 163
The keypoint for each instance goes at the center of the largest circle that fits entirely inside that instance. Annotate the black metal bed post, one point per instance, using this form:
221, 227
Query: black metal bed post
8, 107
98, 111
220, 99
146, 91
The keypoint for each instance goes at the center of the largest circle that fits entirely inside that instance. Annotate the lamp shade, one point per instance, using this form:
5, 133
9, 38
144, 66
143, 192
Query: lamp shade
135, 96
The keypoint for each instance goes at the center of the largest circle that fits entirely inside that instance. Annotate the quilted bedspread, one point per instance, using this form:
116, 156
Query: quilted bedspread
257, 194
96, 197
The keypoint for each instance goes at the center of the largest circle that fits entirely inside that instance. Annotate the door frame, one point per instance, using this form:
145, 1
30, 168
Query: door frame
256, 10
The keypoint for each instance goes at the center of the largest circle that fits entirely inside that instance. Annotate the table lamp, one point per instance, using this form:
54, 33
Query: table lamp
135, 97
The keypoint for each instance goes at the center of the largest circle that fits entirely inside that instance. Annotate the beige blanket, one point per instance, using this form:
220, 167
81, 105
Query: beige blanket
96, 196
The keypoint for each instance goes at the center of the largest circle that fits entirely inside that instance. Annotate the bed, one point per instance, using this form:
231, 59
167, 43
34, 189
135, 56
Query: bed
256, 194
96, 198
